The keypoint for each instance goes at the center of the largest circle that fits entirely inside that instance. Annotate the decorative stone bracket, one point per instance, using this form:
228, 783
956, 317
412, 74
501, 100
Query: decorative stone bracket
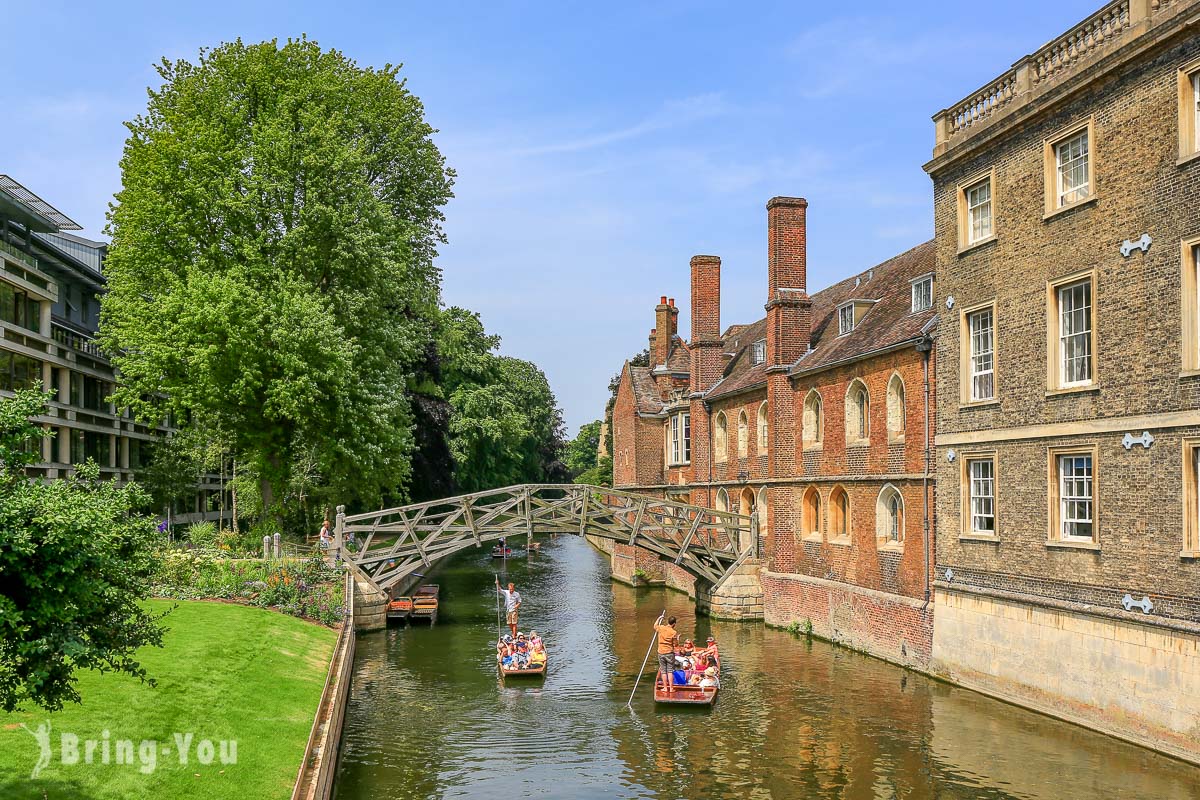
1129, 245
1144, 604
1145, 440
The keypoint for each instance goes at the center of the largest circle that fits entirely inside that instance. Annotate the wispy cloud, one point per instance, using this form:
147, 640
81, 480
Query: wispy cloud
673, 114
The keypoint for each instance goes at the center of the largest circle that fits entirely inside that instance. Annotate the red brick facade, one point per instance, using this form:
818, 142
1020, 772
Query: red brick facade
753, 449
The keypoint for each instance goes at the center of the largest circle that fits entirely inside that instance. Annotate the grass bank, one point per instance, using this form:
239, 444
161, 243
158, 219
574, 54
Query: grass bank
227, 672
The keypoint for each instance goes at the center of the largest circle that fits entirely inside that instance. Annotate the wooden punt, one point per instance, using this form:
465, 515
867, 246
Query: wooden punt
514, 673
400, 608
687, 695
425, 603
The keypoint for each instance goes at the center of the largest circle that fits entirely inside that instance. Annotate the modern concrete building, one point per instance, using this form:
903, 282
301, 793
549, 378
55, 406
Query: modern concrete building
50, 286
1067, 222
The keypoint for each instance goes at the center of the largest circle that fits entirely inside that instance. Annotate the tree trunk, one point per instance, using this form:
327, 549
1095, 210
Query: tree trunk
234, 493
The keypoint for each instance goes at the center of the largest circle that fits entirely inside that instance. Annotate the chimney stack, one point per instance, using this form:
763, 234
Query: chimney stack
706, 322
663, 319
789, 318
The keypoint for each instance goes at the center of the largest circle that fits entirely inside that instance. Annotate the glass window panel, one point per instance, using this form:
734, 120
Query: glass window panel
979, 211
1075, 333
1072, 158
1075, 496
983, 496
982, 355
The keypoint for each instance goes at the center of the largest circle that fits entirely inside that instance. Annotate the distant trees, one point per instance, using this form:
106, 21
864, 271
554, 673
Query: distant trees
74, 564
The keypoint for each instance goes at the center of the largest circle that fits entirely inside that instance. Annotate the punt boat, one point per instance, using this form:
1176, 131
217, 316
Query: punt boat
425, 603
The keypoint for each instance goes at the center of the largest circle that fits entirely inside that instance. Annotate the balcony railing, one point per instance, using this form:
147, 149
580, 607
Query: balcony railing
1115, 24
77, 341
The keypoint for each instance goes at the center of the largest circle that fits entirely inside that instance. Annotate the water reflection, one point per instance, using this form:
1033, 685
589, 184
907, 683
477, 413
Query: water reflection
795, 719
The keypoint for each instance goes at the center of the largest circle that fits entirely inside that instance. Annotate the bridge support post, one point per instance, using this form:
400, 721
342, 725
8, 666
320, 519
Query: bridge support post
740, 596
339, 529
370, 607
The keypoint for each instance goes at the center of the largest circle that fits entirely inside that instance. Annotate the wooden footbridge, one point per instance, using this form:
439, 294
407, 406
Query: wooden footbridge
391, 544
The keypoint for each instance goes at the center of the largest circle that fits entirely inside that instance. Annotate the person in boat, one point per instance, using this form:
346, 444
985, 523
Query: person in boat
522, 650
668, 641
512, 605
537, 656
688, 649
710, 678
711, 657
535, 641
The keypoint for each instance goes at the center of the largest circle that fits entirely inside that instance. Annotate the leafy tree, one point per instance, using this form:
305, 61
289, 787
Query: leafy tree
271, 268
505, 425
599, 475
583, 450
74, 564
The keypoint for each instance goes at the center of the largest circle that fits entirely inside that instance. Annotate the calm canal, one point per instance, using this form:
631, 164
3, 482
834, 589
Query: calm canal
429, 717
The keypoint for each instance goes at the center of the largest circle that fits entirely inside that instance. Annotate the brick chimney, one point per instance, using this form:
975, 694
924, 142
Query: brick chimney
789, 311
664, 330
706, 322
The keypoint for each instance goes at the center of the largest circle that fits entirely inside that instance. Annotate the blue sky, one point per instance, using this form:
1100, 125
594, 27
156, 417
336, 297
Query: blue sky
598, 145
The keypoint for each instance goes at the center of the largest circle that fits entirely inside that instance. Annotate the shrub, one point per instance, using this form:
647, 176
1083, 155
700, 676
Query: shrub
203, 535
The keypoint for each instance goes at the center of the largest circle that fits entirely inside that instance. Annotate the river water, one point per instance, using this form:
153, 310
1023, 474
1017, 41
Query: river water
429, 718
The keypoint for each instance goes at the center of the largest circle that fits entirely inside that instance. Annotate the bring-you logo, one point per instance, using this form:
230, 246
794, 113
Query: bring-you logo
141, 754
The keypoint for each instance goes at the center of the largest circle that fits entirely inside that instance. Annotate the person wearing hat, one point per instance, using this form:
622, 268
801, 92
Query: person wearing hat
709, 679
709, 654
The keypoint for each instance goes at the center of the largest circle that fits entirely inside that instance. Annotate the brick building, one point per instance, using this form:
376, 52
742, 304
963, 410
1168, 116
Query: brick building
816, 419
1067, 221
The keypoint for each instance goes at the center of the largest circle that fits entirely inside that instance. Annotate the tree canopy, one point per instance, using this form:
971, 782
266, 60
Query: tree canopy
74, 564
271, 269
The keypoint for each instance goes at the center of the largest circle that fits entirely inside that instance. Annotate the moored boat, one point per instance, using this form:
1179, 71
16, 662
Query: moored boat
425, 603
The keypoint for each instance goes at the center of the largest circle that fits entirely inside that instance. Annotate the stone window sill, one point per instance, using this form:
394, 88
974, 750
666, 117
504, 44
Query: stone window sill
1093, 546
979, 403
841, 541
1188, 159
1189, 373
1088, 387
858, 443
967, 248
1189, 553
896, 439
891, 547
978, 537
813, 537
811, 446
1069, 207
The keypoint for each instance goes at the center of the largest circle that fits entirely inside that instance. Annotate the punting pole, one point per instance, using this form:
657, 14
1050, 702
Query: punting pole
499, 626
653, 639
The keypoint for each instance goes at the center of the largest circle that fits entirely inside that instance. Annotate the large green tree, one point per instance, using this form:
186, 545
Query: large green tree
583, 450
74, 564
271, 268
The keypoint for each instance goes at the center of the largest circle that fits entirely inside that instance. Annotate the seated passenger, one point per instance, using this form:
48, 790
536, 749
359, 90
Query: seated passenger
535, 641
709, 679
688, 648
538, 657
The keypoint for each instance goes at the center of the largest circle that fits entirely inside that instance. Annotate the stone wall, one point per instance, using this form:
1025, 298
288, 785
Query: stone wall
889, 626
1113, 672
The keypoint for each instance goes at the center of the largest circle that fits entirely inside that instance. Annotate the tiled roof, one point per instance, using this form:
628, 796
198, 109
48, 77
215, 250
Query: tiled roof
888, 322
740, 374
645, 391
680, 358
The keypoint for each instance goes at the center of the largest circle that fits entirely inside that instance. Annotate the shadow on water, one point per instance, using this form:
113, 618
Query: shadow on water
430, 718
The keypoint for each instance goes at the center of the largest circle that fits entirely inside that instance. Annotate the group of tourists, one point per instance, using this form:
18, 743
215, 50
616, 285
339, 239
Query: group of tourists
681, 663
521, 652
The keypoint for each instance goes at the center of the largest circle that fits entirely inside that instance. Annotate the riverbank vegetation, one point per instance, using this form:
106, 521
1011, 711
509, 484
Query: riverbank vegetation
224, 672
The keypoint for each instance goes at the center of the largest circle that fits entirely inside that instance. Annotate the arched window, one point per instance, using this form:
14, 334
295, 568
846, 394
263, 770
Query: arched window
761, 506
722, 500
858, 413
720, 438
762, 429
895, 408
748, 505
839, 513
810, 516
743, 434
814, 419
889, 517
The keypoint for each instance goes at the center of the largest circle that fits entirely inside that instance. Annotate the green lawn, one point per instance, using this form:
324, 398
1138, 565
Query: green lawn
226, 672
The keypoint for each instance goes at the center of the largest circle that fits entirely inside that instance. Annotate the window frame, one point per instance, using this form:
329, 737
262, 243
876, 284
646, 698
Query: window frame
743, 434
720, 438
1055, 372
763, 429
966, 239
811, 515
836, 536
1055, 537
967, 356
843, 327
758, 352
857, 385
679, 439
883, 521
812, 442
967, 495
1053, 192
1189, 305
916, 284
1189, 111
896, 435
1190, 546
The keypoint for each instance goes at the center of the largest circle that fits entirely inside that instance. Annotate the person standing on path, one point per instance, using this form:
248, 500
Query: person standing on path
668, 640
512, 605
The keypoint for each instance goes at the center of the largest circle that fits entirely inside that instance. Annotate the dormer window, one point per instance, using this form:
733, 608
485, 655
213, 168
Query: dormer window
922, 293
758, 352
845, 319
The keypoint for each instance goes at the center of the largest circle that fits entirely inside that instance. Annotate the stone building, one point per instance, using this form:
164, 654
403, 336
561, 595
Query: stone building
816, 419
50, 284
1067, 227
